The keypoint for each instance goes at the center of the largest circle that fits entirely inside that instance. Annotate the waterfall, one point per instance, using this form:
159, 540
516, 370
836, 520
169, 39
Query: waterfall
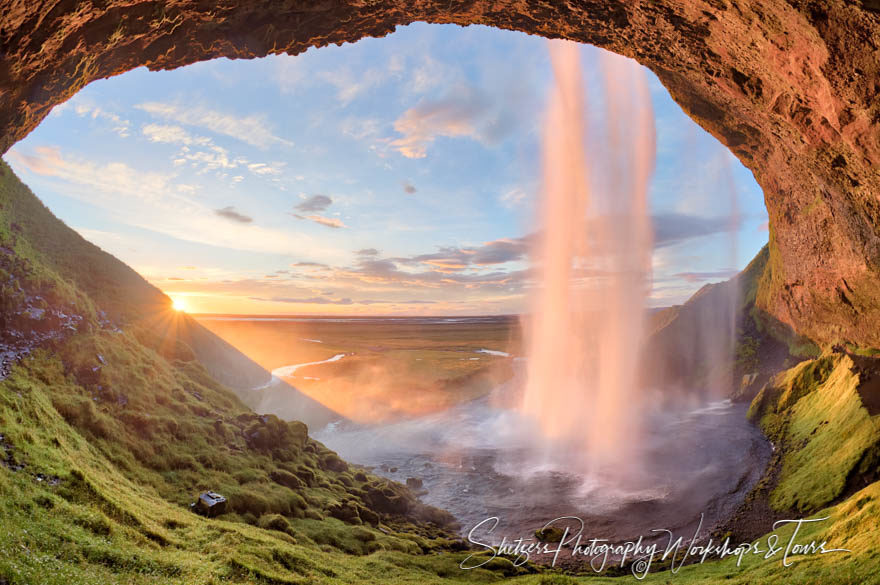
592, 262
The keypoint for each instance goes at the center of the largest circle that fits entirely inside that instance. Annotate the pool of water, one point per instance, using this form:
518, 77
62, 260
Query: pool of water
482, 459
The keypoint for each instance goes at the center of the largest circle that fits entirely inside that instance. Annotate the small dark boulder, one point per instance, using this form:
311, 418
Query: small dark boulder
210, 504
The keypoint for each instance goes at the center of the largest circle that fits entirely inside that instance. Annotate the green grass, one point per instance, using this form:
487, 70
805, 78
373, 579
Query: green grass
814, 412
76, 269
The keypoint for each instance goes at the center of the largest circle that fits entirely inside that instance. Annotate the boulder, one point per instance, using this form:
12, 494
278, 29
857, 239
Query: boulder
210, 504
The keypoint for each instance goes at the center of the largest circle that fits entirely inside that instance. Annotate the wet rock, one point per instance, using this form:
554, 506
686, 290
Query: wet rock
416, 486
50, 480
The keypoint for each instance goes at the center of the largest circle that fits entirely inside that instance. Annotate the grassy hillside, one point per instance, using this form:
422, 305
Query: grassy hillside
110, 426
830, 441
101, 283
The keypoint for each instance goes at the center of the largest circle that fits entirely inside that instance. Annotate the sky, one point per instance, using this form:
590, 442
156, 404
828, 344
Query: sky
390, 176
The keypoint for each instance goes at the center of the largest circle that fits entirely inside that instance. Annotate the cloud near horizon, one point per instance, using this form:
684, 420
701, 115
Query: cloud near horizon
343, 301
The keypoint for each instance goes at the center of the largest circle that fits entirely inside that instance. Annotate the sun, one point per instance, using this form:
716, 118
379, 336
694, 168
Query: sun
178, 304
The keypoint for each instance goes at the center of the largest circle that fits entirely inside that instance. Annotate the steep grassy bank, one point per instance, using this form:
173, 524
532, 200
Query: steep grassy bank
828, 440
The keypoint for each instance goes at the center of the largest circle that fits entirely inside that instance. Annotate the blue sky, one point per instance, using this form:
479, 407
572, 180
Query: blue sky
395, 175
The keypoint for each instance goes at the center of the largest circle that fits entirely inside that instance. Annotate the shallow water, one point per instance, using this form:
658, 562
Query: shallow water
479, 460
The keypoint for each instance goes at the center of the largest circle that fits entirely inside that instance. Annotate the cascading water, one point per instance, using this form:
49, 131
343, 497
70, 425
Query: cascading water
593, 266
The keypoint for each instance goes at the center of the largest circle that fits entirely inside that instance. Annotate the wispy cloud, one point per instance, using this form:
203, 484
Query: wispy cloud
513, 198
314, 203
231, 214
121, 126
152, 201
351, 84
331, 222
359, 128
203, 154
453, 259
171, 133
673, 228
465, 112
450, 268
340, 301
711, 275
253, 129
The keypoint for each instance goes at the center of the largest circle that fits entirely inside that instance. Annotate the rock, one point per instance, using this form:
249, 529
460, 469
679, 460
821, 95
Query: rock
210, 504
416, 486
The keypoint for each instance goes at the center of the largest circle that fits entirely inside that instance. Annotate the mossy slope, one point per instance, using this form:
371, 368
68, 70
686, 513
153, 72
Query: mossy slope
814, 413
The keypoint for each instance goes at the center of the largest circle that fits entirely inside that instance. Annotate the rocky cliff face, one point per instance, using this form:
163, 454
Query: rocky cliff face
790, 86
